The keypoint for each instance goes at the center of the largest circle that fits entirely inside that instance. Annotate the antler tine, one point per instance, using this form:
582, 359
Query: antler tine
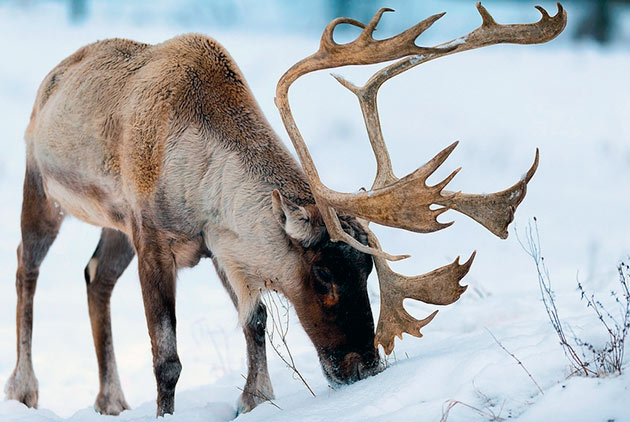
328, 41
438, 287
369, 108
532, 170
429, 168
414, 32
489, 33
405, 204
441, 185
494, 211
369, 29
486, 17
336, 233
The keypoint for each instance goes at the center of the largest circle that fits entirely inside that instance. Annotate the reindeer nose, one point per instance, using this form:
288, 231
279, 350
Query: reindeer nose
361, 367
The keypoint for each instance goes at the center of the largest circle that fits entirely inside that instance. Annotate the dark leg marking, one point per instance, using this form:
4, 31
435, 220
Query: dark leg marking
258, 387
41, 220
109, 261
156, 265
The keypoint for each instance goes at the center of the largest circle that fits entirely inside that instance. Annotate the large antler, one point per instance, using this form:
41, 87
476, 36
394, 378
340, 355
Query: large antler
406, 202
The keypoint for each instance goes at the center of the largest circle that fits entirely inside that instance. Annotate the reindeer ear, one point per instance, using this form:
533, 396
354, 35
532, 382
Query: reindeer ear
302, 224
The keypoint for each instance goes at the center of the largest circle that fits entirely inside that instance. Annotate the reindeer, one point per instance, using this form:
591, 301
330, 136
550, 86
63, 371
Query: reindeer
165, 148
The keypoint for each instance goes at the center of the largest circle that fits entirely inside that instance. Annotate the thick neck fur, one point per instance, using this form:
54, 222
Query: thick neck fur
235, 160
220, 104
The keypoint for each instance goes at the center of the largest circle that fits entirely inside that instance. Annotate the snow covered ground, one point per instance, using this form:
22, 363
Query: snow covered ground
501, 103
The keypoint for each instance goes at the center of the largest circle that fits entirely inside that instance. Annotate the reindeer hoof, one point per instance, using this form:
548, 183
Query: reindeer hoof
110, 404
23, 387
248, 401
245, 404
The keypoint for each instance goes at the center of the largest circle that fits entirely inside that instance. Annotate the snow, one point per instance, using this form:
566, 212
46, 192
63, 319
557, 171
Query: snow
417, 58
502, 102
456, 42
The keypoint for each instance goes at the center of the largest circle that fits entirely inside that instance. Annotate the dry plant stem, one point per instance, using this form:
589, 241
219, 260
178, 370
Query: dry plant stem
517, 361
452, 403
609, 359
544, 283
259, 395
277, 327
604, 360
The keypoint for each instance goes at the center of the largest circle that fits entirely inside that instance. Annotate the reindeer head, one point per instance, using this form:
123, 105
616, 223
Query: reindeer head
337, 315
332, 301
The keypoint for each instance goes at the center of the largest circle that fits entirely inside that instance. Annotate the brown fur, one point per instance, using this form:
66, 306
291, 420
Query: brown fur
41, 219
165, 147
108, 262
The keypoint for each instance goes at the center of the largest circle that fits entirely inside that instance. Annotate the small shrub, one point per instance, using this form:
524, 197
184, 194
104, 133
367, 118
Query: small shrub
609, 359
585, 358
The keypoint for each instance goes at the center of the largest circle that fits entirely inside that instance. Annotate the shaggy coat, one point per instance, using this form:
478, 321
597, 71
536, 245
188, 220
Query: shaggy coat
165, 148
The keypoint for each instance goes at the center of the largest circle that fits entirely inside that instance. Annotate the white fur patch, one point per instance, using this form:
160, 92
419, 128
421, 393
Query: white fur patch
166, 340
92, 268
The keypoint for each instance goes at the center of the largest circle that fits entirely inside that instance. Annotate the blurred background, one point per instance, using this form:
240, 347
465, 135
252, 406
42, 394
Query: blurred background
570, 98
602, 21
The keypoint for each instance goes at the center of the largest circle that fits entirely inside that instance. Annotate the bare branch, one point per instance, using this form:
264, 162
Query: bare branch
603, 360
281, 330
517, 361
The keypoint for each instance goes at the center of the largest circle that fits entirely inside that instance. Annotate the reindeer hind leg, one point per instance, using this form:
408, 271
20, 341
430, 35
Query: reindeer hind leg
40, 222
110, 259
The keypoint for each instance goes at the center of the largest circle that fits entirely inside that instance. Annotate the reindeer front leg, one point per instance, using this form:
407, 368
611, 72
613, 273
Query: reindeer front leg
157, 270
257, 387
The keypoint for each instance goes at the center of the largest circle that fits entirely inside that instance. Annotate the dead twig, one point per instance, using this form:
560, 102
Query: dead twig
449, 404
260, 395
603, 360
517, 361
609, 359
280, 329
547, 294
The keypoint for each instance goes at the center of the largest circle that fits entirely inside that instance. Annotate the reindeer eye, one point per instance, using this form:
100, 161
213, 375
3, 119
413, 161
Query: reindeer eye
323, 274
324, 280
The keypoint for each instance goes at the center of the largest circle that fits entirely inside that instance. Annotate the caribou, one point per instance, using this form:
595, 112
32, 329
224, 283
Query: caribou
165, 148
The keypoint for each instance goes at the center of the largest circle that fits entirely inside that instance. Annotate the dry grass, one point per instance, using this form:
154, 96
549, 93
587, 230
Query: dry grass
517, 361
278, 310
585, 358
